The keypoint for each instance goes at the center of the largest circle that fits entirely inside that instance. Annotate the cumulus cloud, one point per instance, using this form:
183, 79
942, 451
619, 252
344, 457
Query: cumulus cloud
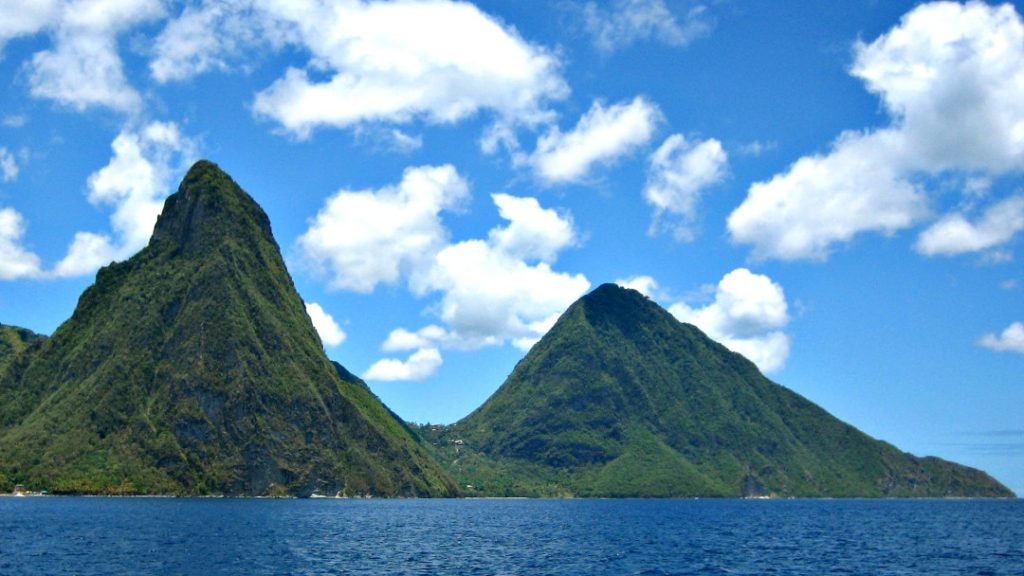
645, 285
330, 333
15, 261
825, 200
602, 136
955, 234
747, 315
493, 290
401, 339
626, 22
1010, 340
365, 238
504, 289
491, 296
186, 48
135, 182
83, 71
25, 18
679, 172
8, 166
533, 232
83, 68
441, 61
949, 76
420, 365
369, 61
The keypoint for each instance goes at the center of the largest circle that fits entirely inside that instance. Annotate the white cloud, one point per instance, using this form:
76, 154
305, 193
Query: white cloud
954, 234
87, 253
977, 186
437, 60
1011, 339
601, 136
421, 365
631, 21
135, 182
186, 47
824, 200
385, 139
491, 297
364, 238
645, 285
25, 18
679, 173
427, 337
83, 69
492, 291
15, 261
404, 143
949, 75
504, 289
747, 315
8, 166
330, 333
533, 232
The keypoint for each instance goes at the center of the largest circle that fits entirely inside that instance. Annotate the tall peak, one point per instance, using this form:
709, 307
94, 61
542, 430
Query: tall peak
208, 207
193, 368
611, 303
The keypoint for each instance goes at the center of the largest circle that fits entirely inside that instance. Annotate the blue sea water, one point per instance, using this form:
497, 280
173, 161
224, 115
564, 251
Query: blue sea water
112, 536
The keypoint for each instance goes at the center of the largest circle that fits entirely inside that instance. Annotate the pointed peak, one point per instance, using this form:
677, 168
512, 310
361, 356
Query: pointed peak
615, 299
612, 305
207, 207
611, 290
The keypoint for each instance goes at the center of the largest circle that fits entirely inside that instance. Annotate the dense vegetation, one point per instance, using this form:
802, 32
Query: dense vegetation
621, 399
193, 368
14, 341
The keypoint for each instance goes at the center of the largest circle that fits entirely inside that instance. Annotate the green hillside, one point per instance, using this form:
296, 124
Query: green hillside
621, 399
14, 341
193, 368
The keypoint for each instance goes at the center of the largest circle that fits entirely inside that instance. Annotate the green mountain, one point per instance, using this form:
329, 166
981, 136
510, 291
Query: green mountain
621, 399
193, 368
14, 342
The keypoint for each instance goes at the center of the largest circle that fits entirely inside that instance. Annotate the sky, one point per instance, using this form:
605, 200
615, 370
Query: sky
833, 189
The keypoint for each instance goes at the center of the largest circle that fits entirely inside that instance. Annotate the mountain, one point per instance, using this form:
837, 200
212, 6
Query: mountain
621, 399
14, 341
193, 368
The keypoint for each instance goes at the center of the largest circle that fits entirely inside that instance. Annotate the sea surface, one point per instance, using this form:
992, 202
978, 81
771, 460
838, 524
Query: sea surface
54, 535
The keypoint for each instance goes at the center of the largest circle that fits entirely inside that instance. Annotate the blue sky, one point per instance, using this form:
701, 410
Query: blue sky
832, 189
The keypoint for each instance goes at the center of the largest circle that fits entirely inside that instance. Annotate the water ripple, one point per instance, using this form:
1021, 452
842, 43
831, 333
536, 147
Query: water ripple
100, 536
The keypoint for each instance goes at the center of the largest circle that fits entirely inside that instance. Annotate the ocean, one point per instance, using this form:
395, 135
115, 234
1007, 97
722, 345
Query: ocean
115, 536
